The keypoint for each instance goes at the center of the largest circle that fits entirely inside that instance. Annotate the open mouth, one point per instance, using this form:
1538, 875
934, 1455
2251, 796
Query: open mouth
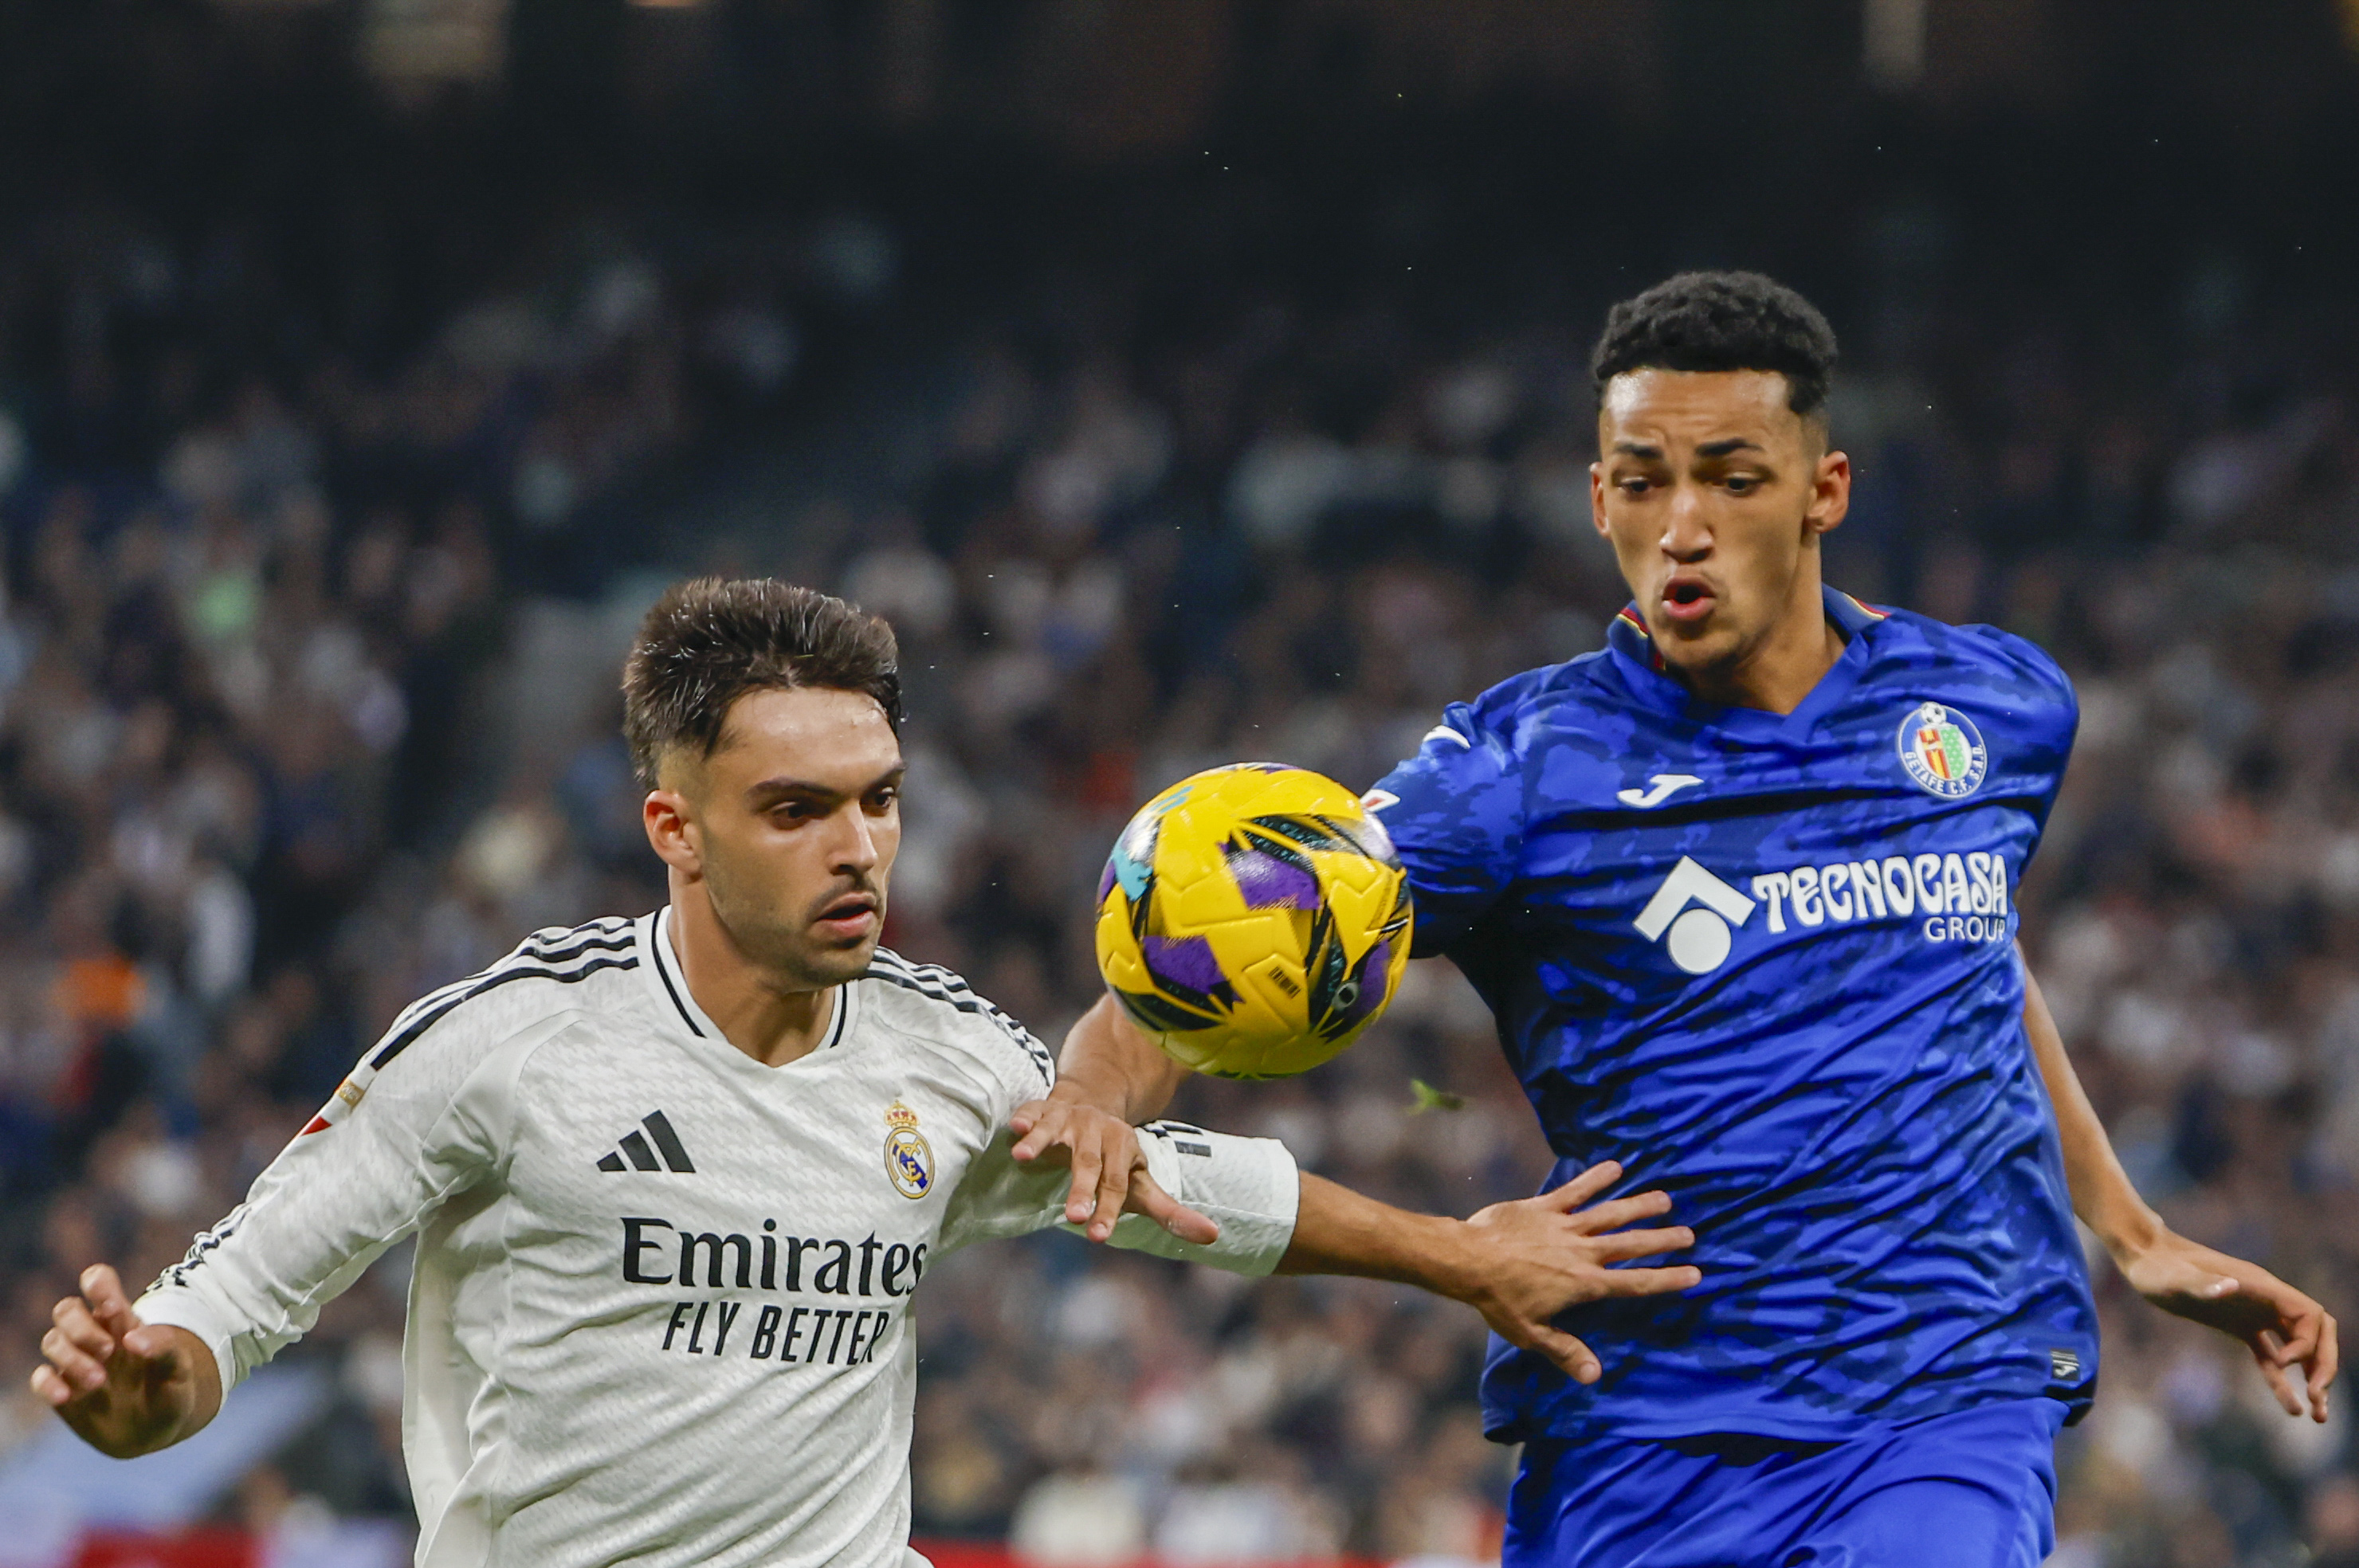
849, 915
1688, 599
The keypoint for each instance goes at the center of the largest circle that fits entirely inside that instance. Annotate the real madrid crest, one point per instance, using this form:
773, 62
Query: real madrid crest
907, 1160
1942, 752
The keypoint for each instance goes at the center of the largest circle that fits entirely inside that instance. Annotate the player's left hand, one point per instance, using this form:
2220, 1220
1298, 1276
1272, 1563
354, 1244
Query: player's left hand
2280, 1325
1109, 1168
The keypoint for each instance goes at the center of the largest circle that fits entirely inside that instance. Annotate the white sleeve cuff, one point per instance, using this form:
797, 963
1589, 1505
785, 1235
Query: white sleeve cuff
1247, 1187
185, 1309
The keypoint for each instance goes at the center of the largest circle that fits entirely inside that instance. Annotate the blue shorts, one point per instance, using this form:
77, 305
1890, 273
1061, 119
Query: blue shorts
1975, 1489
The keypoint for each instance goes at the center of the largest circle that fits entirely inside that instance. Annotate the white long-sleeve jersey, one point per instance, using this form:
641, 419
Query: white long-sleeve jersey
659, 1312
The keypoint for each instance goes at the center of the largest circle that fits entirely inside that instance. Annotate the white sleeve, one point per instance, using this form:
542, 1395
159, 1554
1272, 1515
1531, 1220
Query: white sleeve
1247, 1187
422, 1117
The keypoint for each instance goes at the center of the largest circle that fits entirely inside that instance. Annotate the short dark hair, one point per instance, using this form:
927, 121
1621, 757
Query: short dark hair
708, 641
1721, 320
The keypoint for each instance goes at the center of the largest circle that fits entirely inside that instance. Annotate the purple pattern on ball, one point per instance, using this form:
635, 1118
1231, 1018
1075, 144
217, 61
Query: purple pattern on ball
1106, 882
1269, 883
1372, 982
1184, 960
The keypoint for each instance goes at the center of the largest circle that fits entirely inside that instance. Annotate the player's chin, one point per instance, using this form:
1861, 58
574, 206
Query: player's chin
849, 953
1695, 648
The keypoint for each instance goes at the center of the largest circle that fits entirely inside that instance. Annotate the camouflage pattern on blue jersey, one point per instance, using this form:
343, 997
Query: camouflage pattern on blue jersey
1767, 962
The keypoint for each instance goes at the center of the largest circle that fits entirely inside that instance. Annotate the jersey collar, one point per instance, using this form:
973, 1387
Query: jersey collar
1642, 665
676, 1002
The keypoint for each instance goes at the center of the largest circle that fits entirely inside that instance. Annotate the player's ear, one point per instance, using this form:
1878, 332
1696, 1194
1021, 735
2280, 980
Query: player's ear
669, 817
1597, 499
1830, 494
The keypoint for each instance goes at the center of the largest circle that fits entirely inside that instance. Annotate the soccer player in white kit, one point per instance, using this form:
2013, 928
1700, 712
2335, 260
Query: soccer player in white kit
674, 1179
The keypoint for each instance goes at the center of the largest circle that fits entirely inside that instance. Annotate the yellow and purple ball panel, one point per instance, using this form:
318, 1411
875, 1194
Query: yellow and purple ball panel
1254, 920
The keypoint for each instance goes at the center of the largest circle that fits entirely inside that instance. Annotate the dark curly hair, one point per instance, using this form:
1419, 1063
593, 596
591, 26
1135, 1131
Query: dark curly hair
1721, 320
707, 642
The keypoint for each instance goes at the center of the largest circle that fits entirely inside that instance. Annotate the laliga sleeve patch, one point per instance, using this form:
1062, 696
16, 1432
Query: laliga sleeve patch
340, 1105
1942, 752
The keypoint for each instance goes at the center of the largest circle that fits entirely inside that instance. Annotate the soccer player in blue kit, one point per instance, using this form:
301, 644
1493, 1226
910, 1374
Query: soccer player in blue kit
1740, 890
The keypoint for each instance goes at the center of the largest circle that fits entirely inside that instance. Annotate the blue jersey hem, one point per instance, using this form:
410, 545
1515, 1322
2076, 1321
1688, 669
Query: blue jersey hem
1524, 1427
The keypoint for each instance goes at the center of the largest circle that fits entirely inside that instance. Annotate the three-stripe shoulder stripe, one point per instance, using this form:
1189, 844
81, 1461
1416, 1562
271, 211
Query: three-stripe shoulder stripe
944, 986
611, 950
613, 934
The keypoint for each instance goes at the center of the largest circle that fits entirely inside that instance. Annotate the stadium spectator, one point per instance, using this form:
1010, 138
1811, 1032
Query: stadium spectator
265, 775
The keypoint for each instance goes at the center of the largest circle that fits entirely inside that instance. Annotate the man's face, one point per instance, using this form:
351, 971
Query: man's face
792, 824
1713, 493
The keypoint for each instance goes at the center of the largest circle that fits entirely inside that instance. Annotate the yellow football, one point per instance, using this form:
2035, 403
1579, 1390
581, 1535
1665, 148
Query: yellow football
1254, 919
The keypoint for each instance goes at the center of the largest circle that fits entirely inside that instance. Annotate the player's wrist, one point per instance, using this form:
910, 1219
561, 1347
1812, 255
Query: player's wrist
1085, 1091
1446, 1258
190, 1397
2129, 1232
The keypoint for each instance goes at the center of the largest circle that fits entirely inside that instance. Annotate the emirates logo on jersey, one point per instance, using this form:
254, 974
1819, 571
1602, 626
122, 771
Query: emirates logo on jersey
908, 1161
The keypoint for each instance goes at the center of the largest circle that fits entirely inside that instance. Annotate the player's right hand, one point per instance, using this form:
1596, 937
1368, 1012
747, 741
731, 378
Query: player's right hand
1108, 1165
2282, 1327
1547, 1253
126, 1387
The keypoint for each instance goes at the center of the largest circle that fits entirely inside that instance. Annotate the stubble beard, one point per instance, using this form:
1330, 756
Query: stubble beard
1716, 661
1722, 657
792, 958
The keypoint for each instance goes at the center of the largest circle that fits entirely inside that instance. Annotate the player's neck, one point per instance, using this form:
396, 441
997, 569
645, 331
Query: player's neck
772, 1026
1777, 673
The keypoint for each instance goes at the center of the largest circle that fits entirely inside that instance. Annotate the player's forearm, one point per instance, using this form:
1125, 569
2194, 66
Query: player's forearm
1338, 1231
2102, 1194
1108, 1063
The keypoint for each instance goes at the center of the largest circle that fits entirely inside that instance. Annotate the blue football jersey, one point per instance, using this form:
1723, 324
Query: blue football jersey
1767, 962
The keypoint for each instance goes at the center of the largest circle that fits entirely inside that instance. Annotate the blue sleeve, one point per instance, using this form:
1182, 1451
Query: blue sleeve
2040, 696
1455, 812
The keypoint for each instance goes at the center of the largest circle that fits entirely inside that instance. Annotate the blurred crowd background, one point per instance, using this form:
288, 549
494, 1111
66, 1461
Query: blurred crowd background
1188, 384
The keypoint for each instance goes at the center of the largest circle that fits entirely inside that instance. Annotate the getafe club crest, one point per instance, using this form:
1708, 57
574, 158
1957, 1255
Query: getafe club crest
907, 1160
1942, 751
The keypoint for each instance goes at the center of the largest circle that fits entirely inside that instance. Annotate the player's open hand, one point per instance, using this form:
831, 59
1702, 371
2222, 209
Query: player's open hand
1109, 1169
1547, 1253
2281, 1326
128, 1387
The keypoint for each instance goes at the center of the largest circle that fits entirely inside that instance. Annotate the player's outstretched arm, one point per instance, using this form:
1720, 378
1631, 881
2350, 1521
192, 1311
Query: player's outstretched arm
1110, 1063
1519, 1264
1109, 1168
128, 1387
1109, 1076
2280, 1325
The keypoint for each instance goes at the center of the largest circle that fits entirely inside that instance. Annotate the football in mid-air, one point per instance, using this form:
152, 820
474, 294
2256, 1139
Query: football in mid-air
1253, 920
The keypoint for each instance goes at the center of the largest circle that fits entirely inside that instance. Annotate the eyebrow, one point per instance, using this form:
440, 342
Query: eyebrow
1718, 448
778, 789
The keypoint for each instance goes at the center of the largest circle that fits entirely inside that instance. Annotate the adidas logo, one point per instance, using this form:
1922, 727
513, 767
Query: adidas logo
633, 1147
